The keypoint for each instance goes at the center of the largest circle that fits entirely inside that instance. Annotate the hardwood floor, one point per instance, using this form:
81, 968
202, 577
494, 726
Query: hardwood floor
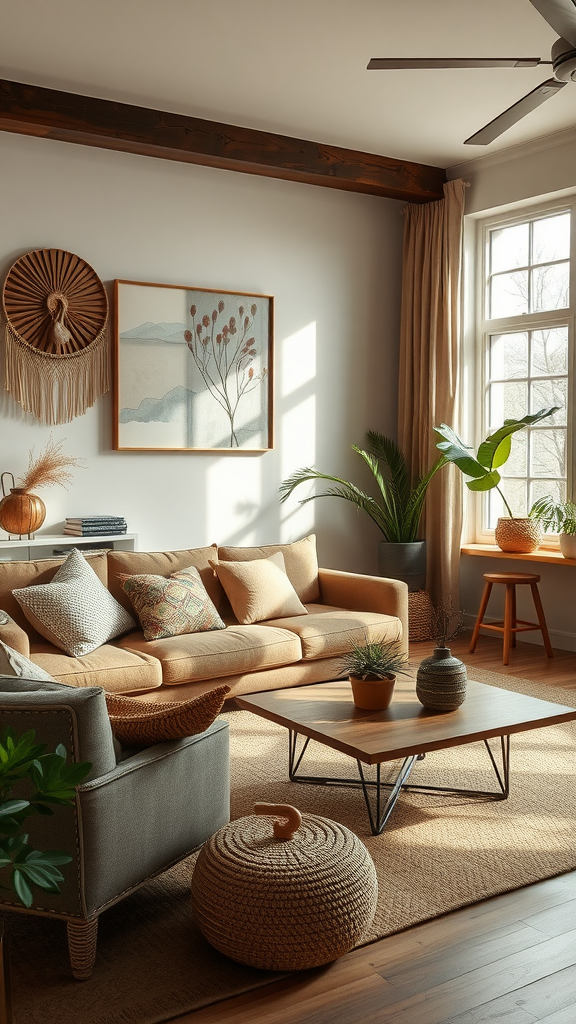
510, 959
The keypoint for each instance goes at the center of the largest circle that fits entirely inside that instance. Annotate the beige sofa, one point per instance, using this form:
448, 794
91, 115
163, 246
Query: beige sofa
342, 608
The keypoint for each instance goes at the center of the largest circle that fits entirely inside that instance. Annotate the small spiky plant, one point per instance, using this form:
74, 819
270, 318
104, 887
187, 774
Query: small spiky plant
51, 467
376, 660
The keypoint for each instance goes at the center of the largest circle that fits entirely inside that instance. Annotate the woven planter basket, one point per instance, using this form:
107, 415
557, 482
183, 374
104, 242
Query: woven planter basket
279, 903
420, 616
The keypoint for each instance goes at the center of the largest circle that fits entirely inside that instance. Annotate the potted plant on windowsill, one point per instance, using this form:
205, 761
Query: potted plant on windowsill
397, 511
513, 533
559, 516
372, 668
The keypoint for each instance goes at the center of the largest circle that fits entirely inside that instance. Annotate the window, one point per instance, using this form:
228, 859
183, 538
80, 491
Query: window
526, 334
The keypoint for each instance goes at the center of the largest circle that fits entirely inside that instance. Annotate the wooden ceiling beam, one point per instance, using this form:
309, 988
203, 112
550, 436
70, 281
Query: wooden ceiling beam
88, 121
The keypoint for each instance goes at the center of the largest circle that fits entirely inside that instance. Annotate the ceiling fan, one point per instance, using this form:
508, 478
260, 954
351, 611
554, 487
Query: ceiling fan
561, 16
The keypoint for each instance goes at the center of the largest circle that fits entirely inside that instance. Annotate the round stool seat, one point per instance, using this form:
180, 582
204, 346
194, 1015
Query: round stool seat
512, 578
284, 896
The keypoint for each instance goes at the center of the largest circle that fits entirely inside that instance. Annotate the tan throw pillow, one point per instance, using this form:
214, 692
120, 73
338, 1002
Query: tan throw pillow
300, 560
141, 723
173, 606
259, 589
74, 611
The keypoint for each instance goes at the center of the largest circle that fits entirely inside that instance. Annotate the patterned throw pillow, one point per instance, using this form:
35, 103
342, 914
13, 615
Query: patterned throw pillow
142, 723
74, 611
171, 606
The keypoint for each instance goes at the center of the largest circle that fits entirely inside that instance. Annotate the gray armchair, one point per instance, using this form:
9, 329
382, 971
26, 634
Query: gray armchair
131, 820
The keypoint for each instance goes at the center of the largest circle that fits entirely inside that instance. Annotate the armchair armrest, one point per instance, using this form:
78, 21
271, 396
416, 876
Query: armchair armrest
13, 635
151, 810
366, 594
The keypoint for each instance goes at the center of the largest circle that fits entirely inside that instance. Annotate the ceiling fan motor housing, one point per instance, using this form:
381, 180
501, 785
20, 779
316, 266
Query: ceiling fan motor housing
564, 61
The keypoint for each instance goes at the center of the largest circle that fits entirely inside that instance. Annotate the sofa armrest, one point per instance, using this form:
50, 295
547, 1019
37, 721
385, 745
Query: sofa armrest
13, 635
366, 594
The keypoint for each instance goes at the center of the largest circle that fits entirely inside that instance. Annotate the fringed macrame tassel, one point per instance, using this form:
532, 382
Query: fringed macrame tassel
56, 388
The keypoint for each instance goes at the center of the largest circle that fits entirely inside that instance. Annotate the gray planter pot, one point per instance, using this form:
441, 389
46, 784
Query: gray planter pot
406, 562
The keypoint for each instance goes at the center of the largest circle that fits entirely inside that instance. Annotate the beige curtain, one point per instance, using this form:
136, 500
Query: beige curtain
428, 388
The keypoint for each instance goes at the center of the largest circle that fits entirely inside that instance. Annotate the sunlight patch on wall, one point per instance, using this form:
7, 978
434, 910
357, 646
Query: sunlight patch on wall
233, 498
298, 359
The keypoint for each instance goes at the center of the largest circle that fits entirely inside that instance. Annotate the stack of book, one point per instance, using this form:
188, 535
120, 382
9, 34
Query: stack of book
94, 526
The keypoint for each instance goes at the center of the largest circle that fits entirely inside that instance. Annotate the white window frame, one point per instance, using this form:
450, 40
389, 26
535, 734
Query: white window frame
483, 328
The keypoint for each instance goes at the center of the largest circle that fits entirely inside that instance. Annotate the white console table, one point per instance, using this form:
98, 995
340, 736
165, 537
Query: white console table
51, 545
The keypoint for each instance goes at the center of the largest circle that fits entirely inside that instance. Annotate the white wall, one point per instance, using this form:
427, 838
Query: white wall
520, 176
332, 261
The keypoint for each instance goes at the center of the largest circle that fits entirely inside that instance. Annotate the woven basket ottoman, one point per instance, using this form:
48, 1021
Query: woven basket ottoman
284, 895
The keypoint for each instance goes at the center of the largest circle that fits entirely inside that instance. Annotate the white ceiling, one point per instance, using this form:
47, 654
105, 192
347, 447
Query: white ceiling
297, 67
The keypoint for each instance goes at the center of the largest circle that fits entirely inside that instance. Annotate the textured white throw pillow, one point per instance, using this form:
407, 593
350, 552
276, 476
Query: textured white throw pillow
74, 611
14, 664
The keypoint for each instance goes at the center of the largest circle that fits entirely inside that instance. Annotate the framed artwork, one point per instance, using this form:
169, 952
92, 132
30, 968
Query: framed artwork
193, 369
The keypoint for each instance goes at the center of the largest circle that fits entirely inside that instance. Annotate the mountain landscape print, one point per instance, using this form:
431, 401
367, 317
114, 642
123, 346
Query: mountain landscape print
194, 369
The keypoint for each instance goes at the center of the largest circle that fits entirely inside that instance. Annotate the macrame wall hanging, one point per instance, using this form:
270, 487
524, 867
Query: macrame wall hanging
56, 311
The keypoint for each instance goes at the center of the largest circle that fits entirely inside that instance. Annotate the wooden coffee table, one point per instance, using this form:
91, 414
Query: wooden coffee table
325, 712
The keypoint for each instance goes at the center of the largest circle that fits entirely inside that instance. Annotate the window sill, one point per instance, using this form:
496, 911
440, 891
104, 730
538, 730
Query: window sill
493, 551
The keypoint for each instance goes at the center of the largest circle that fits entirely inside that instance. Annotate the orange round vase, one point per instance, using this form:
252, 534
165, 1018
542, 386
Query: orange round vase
21, 513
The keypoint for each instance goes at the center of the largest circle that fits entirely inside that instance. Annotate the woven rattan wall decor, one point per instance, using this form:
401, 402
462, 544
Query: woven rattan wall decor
56, 312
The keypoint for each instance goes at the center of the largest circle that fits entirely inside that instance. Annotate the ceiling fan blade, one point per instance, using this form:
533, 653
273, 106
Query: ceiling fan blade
515, 113
560, 15
406, 63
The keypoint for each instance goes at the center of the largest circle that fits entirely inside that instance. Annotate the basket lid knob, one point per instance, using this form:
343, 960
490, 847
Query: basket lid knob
291, 818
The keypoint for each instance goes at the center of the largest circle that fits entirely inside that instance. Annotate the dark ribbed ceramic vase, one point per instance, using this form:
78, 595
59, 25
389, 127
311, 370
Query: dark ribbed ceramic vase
441, 681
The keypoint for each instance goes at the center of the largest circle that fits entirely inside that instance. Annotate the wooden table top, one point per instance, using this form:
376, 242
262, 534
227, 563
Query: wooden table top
326, 712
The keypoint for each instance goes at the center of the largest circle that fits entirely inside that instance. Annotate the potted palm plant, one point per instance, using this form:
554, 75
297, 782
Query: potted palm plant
397, 511
513, 533
559, 516
372, 668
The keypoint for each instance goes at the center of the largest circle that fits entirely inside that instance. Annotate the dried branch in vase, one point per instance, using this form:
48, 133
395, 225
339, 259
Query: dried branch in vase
447, 623
51, 467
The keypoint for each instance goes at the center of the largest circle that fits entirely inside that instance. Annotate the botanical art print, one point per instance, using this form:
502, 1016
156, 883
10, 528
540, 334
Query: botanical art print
193, 369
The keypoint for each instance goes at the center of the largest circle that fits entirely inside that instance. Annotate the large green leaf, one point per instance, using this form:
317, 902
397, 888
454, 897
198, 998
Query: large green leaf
494, 451
487, 482
454, 450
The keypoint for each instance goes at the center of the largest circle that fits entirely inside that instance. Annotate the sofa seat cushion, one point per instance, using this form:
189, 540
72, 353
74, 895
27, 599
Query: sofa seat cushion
221, 653
327, 632
119, 670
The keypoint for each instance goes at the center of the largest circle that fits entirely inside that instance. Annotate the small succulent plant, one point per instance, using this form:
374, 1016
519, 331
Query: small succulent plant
376, 660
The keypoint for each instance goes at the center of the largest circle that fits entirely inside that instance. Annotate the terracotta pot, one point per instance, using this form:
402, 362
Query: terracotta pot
21, 513
441, 681
568, 545
373, 694
521, 535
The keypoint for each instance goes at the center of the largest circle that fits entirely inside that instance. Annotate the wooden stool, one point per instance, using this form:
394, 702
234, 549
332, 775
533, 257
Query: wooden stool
511, 625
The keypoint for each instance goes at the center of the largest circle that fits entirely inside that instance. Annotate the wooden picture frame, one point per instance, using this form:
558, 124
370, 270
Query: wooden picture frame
193, 369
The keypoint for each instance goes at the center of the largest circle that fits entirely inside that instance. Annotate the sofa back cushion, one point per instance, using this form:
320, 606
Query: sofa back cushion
16, 575
300, 560
163, 563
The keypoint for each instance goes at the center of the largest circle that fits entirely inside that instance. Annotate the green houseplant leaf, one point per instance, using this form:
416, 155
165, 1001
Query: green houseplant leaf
491, 455
397, 510
51, 781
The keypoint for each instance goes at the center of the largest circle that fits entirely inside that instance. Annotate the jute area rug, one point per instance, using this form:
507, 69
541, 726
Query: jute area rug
437, 854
